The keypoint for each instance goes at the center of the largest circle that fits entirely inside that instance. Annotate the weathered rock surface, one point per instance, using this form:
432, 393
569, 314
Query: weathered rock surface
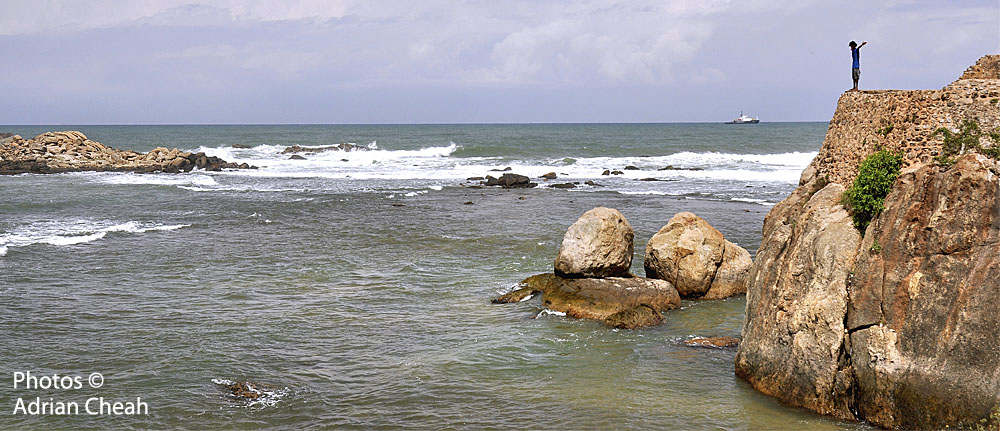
621, 302
637, 317
713, 342
70, 151
598, 244
694, 257
899, 329
922, 311
793, 332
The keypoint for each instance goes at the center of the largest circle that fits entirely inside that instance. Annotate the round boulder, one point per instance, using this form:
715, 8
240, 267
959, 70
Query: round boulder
694, 257
597, 245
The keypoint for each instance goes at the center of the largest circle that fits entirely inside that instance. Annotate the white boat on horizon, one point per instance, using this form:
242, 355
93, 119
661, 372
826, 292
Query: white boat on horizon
743, 119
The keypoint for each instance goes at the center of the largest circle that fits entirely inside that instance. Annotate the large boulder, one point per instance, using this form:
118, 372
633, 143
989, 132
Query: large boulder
694, 257
898, 329
921, 315
793, 332
621, 302
598, 244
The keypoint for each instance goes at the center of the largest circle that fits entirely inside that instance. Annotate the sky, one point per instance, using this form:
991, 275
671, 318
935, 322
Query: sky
433, 61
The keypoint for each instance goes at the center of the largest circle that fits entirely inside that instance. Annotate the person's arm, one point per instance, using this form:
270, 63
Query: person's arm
862, 44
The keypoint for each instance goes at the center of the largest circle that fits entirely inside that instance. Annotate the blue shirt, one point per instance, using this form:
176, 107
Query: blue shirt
855, 54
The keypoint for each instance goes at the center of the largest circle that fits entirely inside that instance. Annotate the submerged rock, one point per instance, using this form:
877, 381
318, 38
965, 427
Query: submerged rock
713, 342
694, 257
633, 318
296, 157
549, 176
598, 244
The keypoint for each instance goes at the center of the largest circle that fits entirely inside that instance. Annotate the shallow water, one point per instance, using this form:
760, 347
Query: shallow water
365, 290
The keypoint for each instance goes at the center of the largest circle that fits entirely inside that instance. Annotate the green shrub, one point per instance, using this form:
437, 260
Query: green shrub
966, 140
866, 197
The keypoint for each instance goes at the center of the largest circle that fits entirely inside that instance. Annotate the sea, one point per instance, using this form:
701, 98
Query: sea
357, 285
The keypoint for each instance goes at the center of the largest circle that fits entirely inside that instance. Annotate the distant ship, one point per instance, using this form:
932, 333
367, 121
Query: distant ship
743, 119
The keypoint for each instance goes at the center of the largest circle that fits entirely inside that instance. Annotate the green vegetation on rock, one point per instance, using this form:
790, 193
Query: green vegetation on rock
967, 139
866, 197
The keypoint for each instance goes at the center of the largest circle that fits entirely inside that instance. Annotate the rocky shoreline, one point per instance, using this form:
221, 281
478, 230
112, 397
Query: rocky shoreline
894, 325
70, 151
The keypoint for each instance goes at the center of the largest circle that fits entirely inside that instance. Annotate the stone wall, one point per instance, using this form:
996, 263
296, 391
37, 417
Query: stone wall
905, 120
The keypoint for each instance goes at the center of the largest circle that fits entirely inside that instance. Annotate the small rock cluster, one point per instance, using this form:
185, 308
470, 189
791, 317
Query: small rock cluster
591, 277
69, 151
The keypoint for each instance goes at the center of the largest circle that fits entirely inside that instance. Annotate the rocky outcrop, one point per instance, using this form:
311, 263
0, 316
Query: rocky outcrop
510, 181
922, 305
694, 257
622, 302
793, 332
598, 244
592, 278
54, 152
898, 328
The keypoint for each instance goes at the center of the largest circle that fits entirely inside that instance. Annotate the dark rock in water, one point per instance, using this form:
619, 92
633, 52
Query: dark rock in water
649, 179
510, 181
549, 176
713, 342
338, 147
467, 203
631, 168
249, 391
617, 173
673, 168
241, 146
475, 178
591, 183
296, 157
634, 318
501, 170
399, 205
344, 160
606, 172
515, 296
563, 186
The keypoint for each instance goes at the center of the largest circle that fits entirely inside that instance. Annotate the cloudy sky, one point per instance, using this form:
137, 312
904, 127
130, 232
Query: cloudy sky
432, 61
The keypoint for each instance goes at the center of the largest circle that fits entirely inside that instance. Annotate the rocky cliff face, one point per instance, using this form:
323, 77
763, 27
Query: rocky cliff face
898, 328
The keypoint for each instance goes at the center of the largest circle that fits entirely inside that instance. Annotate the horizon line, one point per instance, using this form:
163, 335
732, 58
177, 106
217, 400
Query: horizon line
400, 124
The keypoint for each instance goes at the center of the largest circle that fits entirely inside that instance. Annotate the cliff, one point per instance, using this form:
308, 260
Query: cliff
894, 327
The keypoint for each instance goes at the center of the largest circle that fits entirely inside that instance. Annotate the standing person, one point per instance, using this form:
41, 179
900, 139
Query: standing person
856, 68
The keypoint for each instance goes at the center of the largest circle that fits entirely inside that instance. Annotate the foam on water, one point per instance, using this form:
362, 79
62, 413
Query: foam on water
440, 163
72, 232
190, 179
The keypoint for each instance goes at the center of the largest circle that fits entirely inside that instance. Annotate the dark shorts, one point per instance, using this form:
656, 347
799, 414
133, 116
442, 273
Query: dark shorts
855, 74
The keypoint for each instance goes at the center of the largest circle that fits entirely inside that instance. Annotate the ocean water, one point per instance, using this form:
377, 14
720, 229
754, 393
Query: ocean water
359, 283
